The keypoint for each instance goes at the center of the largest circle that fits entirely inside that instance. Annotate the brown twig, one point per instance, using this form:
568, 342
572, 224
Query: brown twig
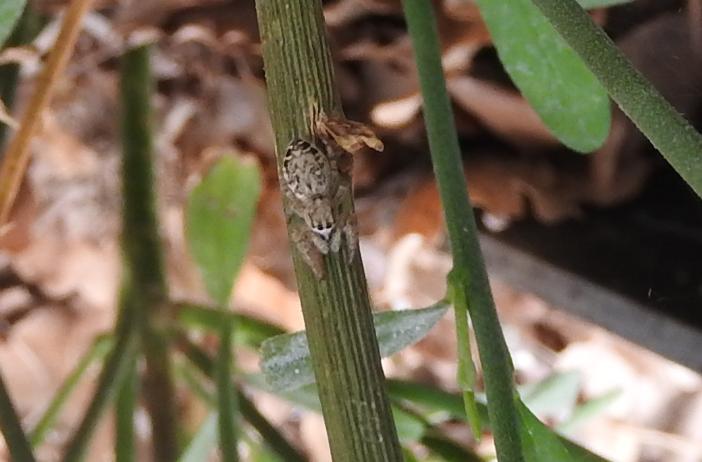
17, 155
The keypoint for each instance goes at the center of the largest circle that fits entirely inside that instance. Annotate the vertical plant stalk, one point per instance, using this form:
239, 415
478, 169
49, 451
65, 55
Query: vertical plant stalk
337, 308
142, 249
11, 427
125, 404
226, 398
678, 142
468, 267
115, 368
16, 158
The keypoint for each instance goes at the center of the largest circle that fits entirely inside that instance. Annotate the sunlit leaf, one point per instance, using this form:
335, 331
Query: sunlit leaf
541, 444
286, 358
409, 427
555, 81
219, 217
10, 11
553, 395
588, 410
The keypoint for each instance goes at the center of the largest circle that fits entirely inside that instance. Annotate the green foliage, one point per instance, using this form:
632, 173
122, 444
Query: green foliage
11, 428
98, 350
552, 395
219, 217
588, 410
203, 442
10, 11
669, 132
469, 275
550, 75
286, 360
250, 331
590, 4
125, 406
541, 444
220, 213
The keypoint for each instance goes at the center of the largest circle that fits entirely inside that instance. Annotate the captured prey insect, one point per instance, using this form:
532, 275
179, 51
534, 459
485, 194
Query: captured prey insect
316, 181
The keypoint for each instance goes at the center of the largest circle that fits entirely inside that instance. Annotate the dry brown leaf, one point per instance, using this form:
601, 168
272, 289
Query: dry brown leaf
351, 136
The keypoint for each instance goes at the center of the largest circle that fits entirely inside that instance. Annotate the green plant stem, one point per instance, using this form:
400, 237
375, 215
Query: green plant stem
226, 398
11, 428
114, 370
249, 331
668, 131
125, 449
97, 352
268, 432
337, 308
142, 249
469, 268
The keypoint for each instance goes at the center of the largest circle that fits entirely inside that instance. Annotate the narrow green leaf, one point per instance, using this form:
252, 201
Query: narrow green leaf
249, 330
11, 428
410, 428
556, 393
96, 353
286, 358
590, 4
114, 369
10, 11
588, 410
219, 216
204, 441
276, 441
466, 366
541, 444
448, 450
550, 75
260, 453
437, 400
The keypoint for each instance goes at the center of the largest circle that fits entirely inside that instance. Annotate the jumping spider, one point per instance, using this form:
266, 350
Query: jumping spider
316, 180
315, 188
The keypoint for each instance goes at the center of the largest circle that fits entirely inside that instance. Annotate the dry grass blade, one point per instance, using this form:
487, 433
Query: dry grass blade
17, 157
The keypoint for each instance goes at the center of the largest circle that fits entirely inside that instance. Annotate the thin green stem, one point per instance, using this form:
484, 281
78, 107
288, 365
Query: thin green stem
336, 305
668, 131
125, 448
142, 249
270, 435
97, 352
469, 269
277, 442
11, 428
226, 397
114, 370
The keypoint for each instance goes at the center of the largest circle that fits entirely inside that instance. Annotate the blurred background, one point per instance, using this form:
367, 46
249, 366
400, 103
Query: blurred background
613, 236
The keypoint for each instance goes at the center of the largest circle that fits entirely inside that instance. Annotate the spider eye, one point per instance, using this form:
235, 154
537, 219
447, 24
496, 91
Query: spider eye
319, 227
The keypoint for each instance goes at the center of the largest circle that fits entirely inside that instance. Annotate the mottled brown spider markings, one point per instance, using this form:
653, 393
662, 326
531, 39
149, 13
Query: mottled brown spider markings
312, 184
